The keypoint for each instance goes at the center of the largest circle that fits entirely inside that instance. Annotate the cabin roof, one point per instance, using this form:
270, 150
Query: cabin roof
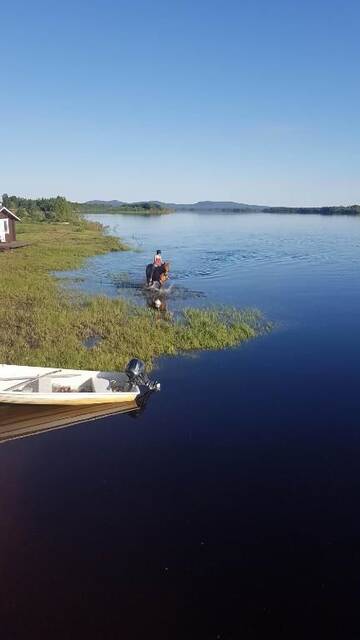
10, 213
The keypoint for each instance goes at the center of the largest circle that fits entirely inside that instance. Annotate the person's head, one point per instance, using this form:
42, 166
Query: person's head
158, 253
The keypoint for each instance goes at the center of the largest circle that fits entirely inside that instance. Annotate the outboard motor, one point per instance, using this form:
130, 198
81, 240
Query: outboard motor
135, 371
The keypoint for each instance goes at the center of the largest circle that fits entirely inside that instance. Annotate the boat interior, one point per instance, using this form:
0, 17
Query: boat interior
63, 381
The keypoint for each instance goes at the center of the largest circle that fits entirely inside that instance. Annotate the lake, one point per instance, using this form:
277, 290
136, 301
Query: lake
229, 508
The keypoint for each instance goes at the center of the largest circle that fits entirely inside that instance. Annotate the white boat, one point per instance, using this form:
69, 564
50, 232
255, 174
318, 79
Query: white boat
43, 385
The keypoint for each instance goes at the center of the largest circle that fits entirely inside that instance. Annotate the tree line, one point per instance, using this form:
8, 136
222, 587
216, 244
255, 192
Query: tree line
353, 210
41, 209
146, 207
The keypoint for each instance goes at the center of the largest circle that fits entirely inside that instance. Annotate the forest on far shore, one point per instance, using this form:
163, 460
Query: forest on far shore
59, 209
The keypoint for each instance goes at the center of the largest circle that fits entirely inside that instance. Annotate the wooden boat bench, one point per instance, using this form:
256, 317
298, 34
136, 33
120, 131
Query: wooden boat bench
101, 385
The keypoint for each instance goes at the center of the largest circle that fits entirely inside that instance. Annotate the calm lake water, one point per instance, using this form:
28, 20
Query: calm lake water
229, 508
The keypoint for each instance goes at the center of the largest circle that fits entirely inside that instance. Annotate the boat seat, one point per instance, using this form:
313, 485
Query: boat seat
45, 385
101, 385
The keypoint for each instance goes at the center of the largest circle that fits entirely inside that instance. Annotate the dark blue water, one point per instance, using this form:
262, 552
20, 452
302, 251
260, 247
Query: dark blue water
229, 508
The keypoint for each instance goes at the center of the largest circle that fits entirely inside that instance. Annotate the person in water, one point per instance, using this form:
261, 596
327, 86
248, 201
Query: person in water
157, 262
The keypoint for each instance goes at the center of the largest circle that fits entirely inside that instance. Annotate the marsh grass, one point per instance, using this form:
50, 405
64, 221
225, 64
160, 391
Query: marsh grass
44, 325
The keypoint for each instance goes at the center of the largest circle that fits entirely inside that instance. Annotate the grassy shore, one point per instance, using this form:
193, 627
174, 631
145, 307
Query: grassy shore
44, 325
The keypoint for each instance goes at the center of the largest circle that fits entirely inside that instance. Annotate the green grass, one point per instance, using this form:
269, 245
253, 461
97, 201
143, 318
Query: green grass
43, 325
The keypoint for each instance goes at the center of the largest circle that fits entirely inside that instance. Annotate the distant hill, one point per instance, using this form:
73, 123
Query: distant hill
205, 205
157, 207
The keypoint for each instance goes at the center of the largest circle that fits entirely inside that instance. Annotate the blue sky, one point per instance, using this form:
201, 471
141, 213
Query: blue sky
250, 100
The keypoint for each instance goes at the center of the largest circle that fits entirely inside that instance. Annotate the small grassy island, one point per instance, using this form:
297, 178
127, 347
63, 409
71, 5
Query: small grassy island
126, 208
47, 326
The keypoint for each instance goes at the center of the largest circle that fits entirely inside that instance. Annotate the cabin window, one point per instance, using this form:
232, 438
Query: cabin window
6, 225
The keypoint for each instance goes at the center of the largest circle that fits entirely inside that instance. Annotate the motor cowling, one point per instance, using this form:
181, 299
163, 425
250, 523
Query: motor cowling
135, 371
134, 368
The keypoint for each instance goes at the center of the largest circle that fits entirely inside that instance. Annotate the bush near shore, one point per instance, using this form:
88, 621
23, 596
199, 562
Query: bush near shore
47, 326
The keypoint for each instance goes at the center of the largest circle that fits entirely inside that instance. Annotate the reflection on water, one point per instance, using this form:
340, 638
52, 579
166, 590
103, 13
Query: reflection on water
177, 292
18, 421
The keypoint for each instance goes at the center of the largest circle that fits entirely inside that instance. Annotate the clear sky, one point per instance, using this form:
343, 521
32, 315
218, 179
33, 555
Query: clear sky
250, 100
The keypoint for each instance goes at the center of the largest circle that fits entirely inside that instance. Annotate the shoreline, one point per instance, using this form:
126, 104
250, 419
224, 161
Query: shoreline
47, 325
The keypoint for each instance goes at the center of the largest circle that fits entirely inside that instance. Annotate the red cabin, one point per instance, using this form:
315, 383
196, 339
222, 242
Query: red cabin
8, 221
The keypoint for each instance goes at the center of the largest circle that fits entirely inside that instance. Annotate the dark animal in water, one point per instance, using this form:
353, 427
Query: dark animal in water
159, 274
